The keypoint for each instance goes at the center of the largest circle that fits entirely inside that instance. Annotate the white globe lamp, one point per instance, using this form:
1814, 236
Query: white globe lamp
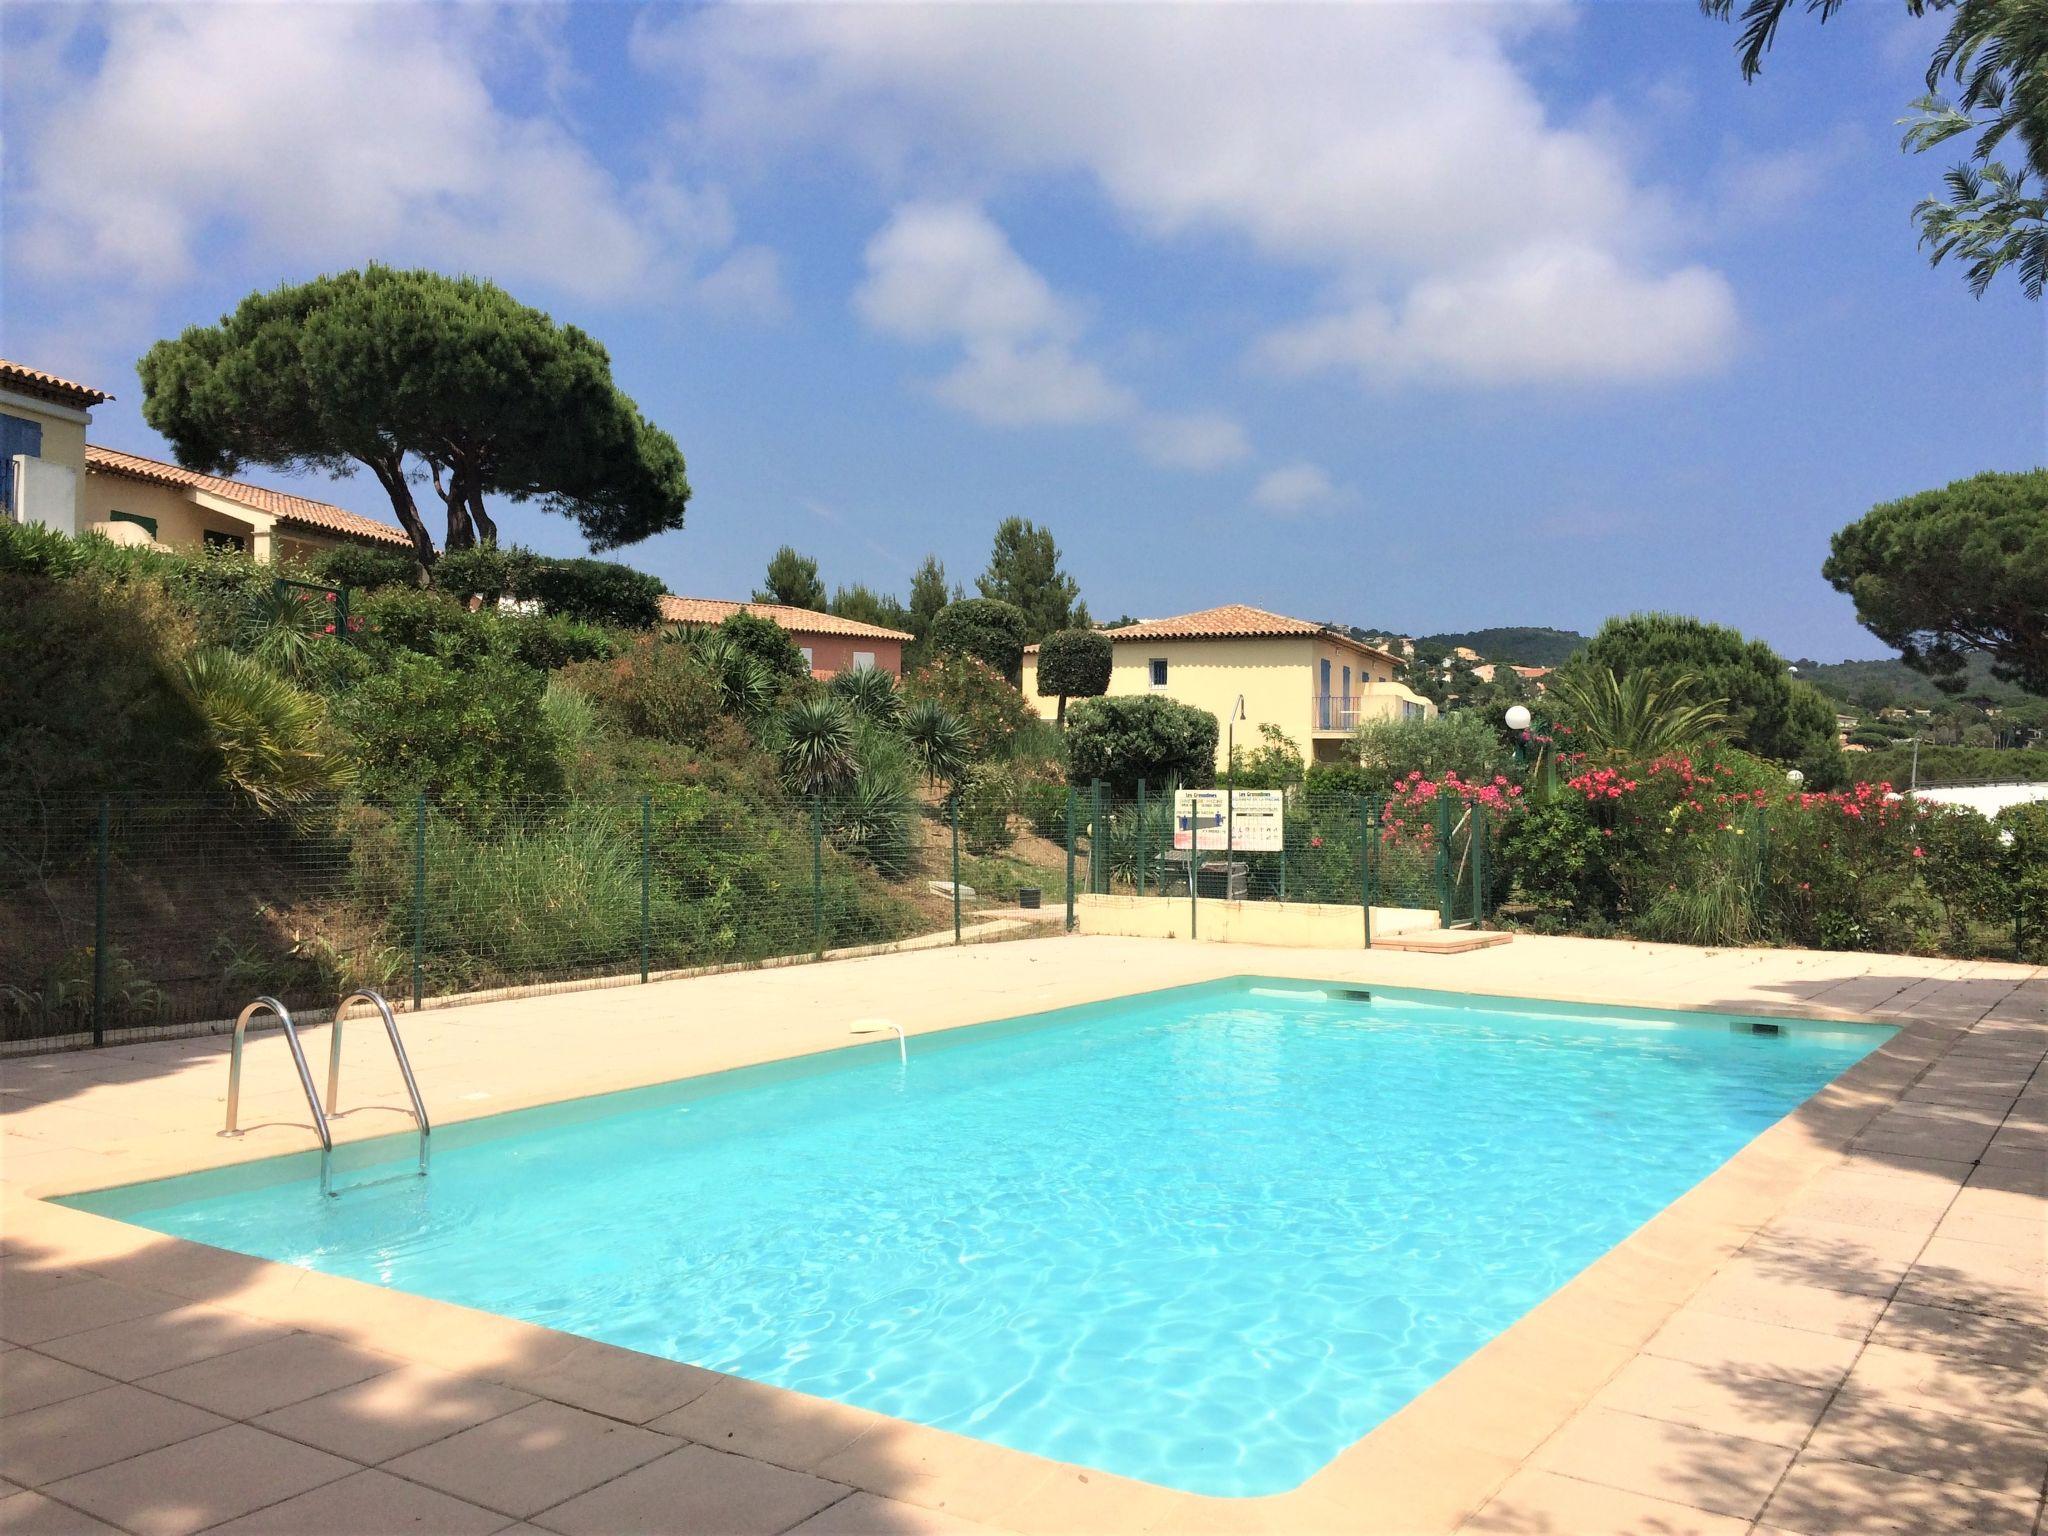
1794, 777
1518, 717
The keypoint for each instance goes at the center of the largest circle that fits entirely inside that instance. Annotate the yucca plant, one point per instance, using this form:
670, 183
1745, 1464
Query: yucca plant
1637, 717
264, 737
870, 693
940, 744
746, 687
817, 744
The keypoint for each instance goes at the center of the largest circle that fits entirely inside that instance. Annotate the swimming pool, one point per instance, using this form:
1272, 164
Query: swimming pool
1205, 1237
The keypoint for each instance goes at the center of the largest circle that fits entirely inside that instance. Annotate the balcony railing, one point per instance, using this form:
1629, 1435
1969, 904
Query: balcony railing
1336, 712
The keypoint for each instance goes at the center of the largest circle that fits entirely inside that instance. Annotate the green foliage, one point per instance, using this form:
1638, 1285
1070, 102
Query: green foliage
1043, 803
365, 567
1074, 664
792, 581
584, 591
816, 744
469, 736
866, 606
663, 692
873, 815
284, 627
941, 746
1464, 743
1515, 645
929, 594
747, 690
549, 642
1024, 572
870, 693
572, 719
988, 630
768, 643
1634, 718
1952, 765
988, 796
1346, 781
1769, 712
262, 737
1945, 573
976, 695
1274, 764
1123, 740
1559, 857
381, 367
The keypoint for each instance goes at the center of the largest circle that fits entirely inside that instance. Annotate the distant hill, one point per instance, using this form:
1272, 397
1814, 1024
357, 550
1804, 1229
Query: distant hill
1518, 645
1860, 682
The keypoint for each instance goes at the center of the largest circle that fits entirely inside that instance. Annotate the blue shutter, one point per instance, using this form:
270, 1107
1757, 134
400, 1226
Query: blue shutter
17, 435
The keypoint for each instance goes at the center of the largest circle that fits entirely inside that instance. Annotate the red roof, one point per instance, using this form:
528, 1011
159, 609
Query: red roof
36, 382
798, 621
1237, 621
296, 511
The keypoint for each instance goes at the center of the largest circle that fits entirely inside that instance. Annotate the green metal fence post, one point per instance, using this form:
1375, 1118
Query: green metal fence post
1478, 865
818, 876
1365, 841
99, 925
953, 806
1443, 860
419, 897
1141, 855
1073, 795
646, 878
1098, 874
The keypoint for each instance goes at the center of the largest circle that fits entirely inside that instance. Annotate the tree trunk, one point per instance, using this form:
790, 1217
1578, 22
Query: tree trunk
1060, 719
486, 530
455, 496
390, 474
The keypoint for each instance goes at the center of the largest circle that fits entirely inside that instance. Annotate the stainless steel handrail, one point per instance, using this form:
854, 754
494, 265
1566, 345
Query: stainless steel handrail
412, 1087
291, 1038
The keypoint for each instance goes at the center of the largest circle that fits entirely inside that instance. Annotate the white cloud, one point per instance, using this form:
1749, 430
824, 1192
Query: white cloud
331, 134
1570, 314
1401, 152
1293, 489
945, 274
1199, 440
747, 283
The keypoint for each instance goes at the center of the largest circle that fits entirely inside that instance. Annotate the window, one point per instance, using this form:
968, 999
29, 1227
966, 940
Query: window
223, 540
18, 435
808, 659
1347, 685
146, 524
1158, 666
863, 659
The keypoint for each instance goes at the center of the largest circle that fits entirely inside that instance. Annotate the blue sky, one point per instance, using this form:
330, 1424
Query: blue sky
1429, 317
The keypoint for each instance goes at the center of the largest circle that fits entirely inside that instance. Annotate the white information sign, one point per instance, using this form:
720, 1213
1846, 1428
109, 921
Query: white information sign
1252, 820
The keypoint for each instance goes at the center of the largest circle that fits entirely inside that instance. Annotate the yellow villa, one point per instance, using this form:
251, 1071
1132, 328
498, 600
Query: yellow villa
1312, 682
54, 477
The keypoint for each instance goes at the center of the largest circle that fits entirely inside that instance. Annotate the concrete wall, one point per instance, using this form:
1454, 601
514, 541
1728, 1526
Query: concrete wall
181, 520
1276, 678
63, 445
832, 654
1293, 924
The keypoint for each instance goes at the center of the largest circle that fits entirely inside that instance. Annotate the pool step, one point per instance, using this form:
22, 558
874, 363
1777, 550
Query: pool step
1442, 941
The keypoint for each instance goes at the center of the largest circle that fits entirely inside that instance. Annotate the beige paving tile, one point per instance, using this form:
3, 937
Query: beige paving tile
32, 1380
787, 1428
33, 1316
265, 1376
79, 1433
1961, 1384
1715, 1398
863, 1514
1722, 1474
199, 1483
1760, 1297
388, 1415
1920, 1436
1825, 1498
31, 1514
532, 1458
696, 1489
1545, 1504
162, 1341
1988, 1336
618, 1383
367, 1503
1747, 1347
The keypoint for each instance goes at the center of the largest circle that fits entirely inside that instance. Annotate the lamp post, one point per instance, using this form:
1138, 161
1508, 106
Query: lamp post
1794, 777
1517, 720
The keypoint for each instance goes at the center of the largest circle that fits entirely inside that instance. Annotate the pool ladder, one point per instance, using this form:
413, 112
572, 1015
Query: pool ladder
291, 1035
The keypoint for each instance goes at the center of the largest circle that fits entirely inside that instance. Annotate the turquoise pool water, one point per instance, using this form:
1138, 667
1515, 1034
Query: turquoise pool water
1206, 1237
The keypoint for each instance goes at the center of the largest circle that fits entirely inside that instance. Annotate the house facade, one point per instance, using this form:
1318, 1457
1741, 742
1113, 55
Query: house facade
1313, 683
830, 643
42, 445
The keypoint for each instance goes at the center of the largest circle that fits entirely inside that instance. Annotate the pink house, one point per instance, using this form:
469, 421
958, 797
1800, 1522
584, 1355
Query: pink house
829, 643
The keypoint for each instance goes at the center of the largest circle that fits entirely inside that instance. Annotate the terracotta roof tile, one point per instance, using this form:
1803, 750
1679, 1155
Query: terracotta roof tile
295, 511
39, 382
798, 621
1237, 621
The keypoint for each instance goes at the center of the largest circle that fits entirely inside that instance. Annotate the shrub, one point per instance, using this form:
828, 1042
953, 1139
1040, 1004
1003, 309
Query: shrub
816, 744
654, 689
1274, 764
971, 691
401, 619
363, 568
1462, 743
985, 628
987, 797
870, 693
594, 591
469, 738
1124, 740
768, 643
941, 747
1558, 858
871, 817
1044, 804
1074, 664
549, 642
1329, 781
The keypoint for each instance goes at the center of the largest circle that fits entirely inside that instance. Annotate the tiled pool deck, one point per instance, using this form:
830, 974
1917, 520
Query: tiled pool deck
1845, 1329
